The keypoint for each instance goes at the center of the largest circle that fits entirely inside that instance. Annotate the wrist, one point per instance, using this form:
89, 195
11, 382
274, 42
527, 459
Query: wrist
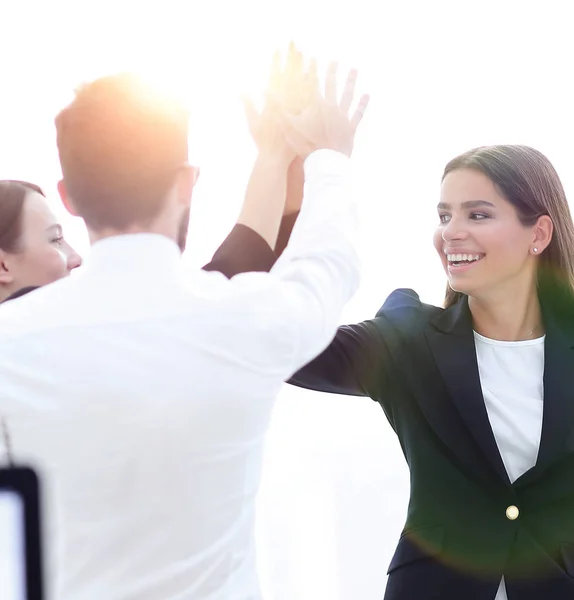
288, 211
274, 159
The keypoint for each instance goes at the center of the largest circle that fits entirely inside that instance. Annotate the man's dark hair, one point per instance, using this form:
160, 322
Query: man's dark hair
12, 197
120, 144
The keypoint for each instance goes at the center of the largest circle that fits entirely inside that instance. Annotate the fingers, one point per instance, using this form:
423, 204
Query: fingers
294, 68
294, 85
349, 91
251, 113
311, 78
331, 84
360, 111
275, 75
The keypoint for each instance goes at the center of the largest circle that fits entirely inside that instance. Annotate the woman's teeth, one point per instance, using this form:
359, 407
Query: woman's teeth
462, 257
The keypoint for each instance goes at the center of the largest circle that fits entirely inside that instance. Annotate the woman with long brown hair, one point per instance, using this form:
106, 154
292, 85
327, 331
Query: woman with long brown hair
33, 251
481, 391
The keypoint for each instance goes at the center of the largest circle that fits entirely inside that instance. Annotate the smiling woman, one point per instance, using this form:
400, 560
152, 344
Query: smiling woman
33, 251
479, 391
505, 205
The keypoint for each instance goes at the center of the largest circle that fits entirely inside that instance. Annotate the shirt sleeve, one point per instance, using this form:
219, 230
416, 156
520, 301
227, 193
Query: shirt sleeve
295, 309
350, 365
285, 230
242, 251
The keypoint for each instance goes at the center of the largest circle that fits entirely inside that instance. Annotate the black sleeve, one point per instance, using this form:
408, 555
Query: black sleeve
359, 361
285, 229
245, 251
242, 251
350, 365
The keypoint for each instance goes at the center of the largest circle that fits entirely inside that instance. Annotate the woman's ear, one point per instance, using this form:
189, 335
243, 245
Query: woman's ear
543, 230
6, 277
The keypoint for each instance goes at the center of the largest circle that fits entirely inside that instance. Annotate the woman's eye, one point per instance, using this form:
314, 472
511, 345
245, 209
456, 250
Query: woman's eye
478, 216
58, 240
444, 218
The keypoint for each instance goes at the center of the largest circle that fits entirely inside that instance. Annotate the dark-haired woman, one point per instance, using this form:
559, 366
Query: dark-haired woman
33, 251
481, 391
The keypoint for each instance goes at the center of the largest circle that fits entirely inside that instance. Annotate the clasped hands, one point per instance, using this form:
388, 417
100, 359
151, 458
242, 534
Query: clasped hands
297, 118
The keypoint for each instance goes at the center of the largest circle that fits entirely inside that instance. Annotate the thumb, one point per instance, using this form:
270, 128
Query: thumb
360, 111
251, 113
294, 137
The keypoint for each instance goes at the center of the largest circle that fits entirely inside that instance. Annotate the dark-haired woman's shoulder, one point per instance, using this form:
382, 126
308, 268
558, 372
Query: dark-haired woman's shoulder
404, 309
21, 292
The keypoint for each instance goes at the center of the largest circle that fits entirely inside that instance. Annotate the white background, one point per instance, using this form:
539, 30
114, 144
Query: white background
443, 76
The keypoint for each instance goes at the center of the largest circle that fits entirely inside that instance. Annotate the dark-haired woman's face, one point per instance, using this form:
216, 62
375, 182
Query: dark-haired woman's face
480, 239
43, 255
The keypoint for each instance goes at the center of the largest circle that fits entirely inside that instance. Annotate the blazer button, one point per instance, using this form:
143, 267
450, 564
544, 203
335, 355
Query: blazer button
512, 512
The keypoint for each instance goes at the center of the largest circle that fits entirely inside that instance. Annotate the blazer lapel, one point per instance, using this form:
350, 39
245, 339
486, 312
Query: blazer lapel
451, 340
558, 411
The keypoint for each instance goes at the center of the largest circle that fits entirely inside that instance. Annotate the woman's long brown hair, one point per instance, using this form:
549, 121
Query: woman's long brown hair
12, 196
527, 179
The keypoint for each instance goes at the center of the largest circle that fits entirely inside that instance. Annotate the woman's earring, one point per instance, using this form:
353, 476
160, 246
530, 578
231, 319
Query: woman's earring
535, 250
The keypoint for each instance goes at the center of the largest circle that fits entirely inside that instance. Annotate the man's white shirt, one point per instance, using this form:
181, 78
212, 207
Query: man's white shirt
143, 396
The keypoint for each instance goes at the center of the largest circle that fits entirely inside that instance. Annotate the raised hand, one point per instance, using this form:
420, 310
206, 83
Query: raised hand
324, 122
282, 93
267, 187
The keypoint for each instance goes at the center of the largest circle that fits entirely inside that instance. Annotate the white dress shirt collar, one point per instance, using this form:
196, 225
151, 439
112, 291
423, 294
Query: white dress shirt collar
149, 252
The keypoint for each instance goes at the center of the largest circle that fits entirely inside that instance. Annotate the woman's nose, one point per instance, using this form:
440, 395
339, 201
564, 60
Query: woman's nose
453, 230
74, 259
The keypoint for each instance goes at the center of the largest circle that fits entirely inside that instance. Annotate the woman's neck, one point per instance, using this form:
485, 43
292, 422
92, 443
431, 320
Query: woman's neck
508, 317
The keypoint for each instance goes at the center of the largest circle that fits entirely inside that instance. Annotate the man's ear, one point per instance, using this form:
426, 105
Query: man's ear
6, 277
186, 180
66, 200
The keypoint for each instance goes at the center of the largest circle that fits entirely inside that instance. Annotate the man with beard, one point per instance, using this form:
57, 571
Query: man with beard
144, 394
